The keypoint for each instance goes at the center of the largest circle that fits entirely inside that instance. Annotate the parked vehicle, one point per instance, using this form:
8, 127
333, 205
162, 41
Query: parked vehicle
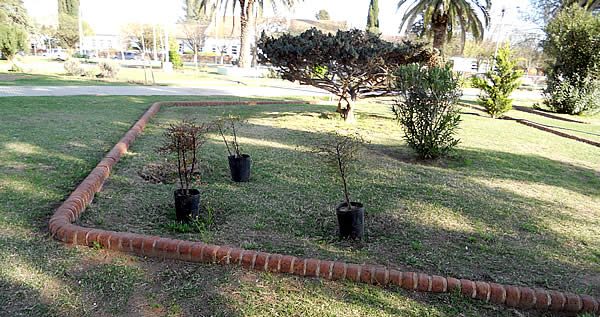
56, 53
128, 56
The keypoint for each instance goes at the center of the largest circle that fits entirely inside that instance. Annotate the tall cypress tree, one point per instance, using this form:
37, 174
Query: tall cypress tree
373, 17
70, 7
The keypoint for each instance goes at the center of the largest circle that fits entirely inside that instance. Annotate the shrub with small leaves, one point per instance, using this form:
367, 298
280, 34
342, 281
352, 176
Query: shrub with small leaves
108, 69
426, 108
499, 83
573, 95
74, 68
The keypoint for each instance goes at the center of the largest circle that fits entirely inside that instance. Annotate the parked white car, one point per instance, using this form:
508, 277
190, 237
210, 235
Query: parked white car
57, 53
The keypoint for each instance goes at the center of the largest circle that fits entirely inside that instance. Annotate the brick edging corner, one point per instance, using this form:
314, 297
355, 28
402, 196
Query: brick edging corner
62, 228
539, 126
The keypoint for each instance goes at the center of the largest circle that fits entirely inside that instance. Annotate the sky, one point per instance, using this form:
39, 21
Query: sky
107, 16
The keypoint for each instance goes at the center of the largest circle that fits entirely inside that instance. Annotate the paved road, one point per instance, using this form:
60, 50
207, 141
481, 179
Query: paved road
16, 91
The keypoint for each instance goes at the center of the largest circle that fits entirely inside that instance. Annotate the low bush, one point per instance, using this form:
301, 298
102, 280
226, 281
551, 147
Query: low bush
74, 68
175, 59
427, 108
573, 95
108, 69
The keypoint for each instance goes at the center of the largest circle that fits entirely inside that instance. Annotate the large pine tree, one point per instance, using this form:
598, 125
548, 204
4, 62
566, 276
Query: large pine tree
373, 17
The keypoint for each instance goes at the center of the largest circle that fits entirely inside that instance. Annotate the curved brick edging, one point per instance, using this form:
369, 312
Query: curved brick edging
538, 126
547, 115
62, 228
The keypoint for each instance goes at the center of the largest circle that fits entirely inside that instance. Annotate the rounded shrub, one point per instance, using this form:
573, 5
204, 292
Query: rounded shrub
74, 68
426, 108
108, 69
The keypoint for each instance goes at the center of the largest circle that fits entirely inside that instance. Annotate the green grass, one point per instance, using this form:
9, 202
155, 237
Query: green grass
512, 205
22, 79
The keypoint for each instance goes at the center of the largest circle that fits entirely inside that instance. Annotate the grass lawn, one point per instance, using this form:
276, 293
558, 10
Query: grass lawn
512, 205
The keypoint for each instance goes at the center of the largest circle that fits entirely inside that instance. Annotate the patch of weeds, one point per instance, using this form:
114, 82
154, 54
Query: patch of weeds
96, 245
473, 240
416, 245
530, 227
258, 226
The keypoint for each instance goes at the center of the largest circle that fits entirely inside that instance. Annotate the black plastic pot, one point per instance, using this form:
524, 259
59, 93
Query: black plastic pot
240, 167
186, 205
351, 222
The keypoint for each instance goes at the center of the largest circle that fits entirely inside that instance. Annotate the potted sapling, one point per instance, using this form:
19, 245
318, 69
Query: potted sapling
340, 153
183, 141
239, 164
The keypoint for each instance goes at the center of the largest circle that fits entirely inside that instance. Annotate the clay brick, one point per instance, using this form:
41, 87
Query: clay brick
438, 284
339, 271
160, 247
115, 241
171, 250
325, 269
367, 273
299, 267
483, 291
104, 239
260, 264
468, 288
528, 298
81, 234
453, 284
222, 255
210, 253
542, 299
248, 259
497, 293
235, 256
69, 234
409, 280
574, 303
590, 305
396, 277
312, 267
423, 282
148, 245
126, 241
92, 236
197, 249
137, 243
273, 264
286, 264
185, 250
558, 301
353, 272
513, 296
381, 276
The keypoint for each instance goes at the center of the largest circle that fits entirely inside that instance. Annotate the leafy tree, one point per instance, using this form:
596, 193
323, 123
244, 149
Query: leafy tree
350, 64
322, 15
12, 39
14, 12
68, 7
68, 30
373, 17
499, 83
427, 108
139, 36
545, 10
442, 18
573, 42
247, 17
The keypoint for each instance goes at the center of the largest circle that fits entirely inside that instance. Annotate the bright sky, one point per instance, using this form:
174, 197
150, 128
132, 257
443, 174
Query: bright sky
106, 16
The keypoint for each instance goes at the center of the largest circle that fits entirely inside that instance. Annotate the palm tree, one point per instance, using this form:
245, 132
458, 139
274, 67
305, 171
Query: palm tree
247, 16
441, 18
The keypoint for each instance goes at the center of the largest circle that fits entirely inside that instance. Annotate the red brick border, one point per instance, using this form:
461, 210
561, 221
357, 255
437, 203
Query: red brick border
539, 126
547, 115
62, 228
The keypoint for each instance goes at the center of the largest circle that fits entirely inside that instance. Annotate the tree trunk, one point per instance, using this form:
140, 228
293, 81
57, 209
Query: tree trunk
440, 30
246, 26
349, 112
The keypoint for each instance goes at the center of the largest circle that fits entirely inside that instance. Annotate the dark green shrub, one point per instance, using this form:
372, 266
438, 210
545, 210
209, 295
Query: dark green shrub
499, 83
573, 42
427, 108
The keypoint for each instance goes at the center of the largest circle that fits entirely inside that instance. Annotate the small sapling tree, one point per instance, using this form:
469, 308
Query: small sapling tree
340, 151
183, 140
239, 163
427, 108
498, 83
350, 64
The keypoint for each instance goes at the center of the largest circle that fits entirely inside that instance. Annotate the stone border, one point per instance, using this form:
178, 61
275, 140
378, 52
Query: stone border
61, 228
538, 126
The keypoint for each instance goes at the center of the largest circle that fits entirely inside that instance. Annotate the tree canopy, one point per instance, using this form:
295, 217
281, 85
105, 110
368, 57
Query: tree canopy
350, 64
373, 17
12, 39
442, 18
322, 15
